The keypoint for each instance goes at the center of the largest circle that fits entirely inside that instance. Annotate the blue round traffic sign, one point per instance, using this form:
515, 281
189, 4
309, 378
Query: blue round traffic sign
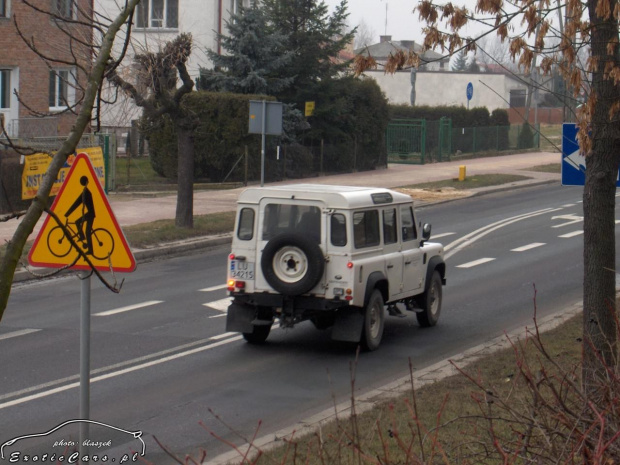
470, 91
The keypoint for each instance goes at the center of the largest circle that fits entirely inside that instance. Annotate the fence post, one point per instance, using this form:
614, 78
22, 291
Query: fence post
474, 129
497, 138
355, 153
245, 169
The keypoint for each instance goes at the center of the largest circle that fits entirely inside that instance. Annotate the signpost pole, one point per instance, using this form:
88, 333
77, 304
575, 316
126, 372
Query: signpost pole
84, 360
262, 148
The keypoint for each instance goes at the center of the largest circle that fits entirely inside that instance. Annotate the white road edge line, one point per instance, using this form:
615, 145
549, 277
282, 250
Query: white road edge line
213, 288
128, 308
222, 336
571, 234
21, 332
523, 248
473, 236
114, 374
480, 261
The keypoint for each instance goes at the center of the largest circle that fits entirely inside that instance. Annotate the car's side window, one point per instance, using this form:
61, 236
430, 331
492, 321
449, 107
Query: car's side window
366, 228
338, 230
389, 226
407, 224
245, 232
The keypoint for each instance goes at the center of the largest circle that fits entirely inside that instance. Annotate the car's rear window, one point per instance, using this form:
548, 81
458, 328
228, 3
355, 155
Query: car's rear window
281, 218
245, 232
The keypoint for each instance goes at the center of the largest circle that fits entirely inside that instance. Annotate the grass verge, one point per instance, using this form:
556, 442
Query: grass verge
149, 234
451, 421
470, 182
549, 168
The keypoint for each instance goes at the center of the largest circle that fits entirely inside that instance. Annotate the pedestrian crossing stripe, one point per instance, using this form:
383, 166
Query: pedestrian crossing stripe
83, 207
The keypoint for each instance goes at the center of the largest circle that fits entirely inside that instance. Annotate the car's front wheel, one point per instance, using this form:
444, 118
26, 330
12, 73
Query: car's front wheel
430, 302
374, 320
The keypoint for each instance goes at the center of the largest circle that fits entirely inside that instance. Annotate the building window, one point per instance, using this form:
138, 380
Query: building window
517, 98
158, 14
64, 8
62, 89
4, 8
5, 88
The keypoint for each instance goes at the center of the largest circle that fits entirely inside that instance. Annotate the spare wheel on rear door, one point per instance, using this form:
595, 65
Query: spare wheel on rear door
292, 263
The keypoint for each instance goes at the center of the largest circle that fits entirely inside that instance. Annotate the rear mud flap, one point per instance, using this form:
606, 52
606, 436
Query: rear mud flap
348, 325
239, 318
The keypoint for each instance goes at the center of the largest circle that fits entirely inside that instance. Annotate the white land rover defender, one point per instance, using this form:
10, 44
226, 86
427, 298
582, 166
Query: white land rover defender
333, 255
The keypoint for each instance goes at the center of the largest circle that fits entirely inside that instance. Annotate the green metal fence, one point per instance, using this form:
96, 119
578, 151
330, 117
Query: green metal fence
420, 141
406, 141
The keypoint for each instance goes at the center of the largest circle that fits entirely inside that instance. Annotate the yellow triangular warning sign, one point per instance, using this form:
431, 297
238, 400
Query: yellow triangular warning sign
83, 208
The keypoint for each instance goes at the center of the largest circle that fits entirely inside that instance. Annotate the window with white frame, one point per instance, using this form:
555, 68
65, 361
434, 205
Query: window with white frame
4, 8
64, 8
62, 89
158, 14
5, 88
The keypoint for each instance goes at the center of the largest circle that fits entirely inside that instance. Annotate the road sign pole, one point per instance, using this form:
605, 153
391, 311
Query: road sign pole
262, 147
84, 360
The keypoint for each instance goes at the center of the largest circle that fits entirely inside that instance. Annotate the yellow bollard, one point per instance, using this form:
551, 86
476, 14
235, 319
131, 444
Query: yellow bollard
462, 172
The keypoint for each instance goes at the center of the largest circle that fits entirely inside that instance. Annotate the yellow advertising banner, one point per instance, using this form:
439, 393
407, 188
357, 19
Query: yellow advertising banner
36, 165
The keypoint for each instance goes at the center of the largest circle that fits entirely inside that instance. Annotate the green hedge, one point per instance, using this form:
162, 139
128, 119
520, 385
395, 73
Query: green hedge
219, 140
351, 117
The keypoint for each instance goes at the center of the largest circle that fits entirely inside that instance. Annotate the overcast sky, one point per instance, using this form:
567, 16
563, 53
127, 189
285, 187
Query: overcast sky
402, 22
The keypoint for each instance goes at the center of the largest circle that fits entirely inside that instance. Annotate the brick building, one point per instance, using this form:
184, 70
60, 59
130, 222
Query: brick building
46, 88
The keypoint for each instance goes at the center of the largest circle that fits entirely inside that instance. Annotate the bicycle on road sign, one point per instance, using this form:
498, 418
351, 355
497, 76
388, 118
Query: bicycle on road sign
60, 245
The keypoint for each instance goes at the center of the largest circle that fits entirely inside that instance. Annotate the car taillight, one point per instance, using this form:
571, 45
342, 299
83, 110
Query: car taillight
233, 285
350, 265
231, 256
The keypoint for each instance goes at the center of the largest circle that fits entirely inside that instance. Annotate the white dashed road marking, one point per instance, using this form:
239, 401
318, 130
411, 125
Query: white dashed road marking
476, 262
219, 305
571, 219
21, 332
533, 245
572, 234
129, 308
437, 236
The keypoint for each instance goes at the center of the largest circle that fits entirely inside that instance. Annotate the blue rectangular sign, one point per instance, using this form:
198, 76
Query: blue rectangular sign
573, 162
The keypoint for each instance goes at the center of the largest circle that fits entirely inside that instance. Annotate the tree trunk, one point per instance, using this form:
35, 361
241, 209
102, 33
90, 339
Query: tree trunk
185, 198
599, 289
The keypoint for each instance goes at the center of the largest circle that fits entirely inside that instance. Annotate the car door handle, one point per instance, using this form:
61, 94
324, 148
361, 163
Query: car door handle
390, 266
408, 263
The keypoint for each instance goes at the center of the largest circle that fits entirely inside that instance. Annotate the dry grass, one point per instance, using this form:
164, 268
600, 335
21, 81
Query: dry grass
446, 422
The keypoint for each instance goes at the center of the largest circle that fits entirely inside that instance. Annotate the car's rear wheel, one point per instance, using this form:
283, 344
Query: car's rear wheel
430, 302
259, 334
374, 321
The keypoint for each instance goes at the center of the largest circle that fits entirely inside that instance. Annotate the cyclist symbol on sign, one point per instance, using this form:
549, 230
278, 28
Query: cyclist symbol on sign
88, 215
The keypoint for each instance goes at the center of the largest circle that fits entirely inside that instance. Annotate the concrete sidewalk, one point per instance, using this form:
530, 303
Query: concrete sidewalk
140, 209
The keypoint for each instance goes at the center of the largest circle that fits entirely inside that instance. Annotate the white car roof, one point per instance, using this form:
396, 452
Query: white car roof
343, 197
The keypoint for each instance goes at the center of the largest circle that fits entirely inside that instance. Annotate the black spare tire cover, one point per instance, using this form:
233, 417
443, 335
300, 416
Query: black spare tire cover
292, 263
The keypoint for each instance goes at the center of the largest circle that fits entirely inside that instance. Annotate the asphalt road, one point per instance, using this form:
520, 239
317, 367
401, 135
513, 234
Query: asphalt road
161, 357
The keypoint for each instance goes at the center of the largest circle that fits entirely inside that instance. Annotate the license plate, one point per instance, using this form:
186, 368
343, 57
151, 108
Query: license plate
241, 269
